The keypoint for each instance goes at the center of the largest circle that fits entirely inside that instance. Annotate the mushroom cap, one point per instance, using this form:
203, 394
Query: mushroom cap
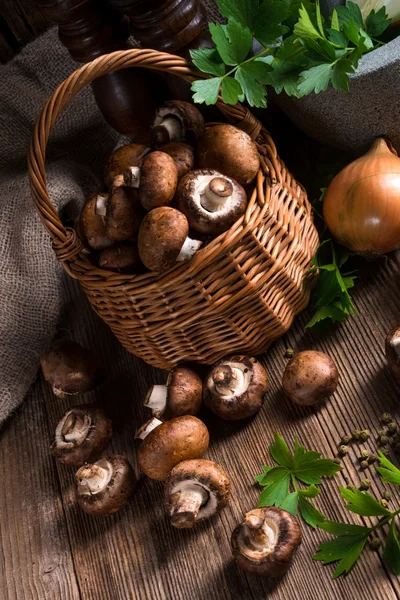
70, 368
248, 377
93, 226
124, 214
198, 474
310, 377
230, 151
130, 155
190, 196
117, 492
182, 154
392, 349
81, 435
170, 443
121, 258
158, 180
266, 541
184, 393
162, 234
189, 116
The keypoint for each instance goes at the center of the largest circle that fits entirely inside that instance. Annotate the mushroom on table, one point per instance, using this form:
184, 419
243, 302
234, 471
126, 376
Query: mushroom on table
392, 349
310, 377
181, 395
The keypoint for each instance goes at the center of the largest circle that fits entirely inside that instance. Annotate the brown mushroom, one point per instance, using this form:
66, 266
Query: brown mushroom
92, 222
392, 349
123, 215
170, 443
230, 151
181, 395
156, 180
235, 387
121, 258
210, 201
163, 239
266, 542
182, 154
310, 377
130, 155
177, 121
106, 486
195, 490
81, 435
70, 368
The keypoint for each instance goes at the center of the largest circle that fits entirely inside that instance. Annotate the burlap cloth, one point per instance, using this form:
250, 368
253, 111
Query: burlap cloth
31, 280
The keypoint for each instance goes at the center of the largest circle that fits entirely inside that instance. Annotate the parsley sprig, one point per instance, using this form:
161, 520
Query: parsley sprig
351, 539
301, 52
282, 485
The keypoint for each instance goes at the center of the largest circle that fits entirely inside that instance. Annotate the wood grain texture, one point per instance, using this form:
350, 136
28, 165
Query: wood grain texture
137, 554
20, 22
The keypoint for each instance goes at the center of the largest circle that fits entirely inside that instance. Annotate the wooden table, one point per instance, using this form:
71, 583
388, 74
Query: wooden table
50, 550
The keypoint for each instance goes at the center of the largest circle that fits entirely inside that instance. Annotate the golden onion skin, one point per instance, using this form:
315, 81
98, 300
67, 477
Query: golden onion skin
362, 204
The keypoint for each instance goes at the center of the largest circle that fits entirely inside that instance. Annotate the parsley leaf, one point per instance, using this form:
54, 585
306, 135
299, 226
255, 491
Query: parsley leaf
231, 91
392, 549
315, 79
390, 473
362, 503
233, 42
377, 22
345, 548
268, 24
304, 27
206, 90
340, 75
243, 11
208, 60
305, 466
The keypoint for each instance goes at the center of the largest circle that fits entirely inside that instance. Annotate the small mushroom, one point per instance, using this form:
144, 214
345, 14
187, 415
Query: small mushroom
81, 435
230, 151
310, 377
195, 490
177, 121
163, 239
392, 349
124, 214
235, 387
170, 443
182, 154
181, 395
210, 201
156, 180
266, 542
121, 258
92, 222
70, 368
130, 155
104, 487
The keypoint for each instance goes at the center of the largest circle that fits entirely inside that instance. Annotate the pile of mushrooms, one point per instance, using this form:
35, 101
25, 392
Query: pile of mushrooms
164, 202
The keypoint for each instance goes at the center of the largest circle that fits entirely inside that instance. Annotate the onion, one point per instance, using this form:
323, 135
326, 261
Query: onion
362, 204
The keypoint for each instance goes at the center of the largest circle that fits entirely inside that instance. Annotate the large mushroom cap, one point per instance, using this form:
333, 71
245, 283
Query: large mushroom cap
161, 236
158, 180
170, 443
230, 151
211, 201
266, 541
195, 490
392, 349
182, 154
182, 394
81, 435
120, 258
127, 156
235, 387
105, 487
310, 377
70, 368
124, 214
92, 223
177, 121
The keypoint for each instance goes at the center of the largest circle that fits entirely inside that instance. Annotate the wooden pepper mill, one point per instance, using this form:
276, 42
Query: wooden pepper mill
88, 29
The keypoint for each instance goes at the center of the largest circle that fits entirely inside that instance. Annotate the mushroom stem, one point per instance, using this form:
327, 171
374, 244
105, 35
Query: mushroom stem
132, 177
73, 427
216, 194
156, 399
189, 249
395, 343
228, 380
260, 533
187, 505
101, 205
95, 478
170, 129
145, 429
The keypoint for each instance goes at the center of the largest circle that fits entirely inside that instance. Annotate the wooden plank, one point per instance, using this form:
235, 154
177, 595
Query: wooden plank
35, 556
21, 22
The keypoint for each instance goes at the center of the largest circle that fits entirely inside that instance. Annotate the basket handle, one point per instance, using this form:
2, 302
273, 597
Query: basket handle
66, 244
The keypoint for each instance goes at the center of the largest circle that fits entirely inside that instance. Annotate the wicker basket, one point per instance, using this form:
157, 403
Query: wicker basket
239, 292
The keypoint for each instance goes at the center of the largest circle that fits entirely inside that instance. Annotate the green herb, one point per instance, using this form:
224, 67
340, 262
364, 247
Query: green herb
281, 484
351, 539
301, 52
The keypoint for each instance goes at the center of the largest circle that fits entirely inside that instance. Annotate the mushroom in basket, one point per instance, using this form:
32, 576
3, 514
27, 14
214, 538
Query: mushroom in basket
155, 179
177, 121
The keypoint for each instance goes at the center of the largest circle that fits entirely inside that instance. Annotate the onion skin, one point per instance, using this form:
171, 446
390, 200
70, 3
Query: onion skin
362, 204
